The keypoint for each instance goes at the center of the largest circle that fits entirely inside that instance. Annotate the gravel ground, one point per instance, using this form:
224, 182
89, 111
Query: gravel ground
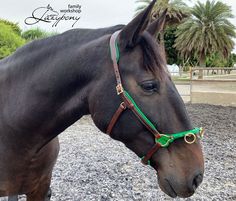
85, 171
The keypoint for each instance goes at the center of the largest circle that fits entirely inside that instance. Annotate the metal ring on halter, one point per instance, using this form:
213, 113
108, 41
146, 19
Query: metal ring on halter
190, 135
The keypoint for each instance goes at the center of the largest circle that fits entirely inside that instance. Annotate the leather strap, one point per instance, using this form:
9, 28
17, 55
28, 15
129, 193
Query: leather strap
147, 157
115, 57
126, 102
132, 108
115, 117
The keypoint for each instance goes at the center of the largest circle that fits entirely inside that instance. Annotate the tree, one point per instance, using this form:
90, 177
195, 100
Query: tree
207, 31
233, 59
10, 39
171, 52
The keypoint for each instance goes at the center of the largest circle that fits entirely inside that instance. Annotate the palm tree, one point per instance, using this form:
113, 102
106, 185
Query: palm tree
207, 31
177, 11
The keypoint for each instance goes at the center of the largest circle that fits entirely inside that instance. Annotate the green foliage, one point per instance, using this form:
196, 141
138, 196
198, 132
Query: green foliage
171, 52
231, 60
14, 26
216, 60
206, 32
233, 57
37, 33
10, 39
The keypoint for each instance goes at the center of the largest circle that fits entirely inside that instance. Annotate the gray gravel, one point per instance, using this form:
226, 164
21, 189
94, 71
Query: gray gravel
85, 171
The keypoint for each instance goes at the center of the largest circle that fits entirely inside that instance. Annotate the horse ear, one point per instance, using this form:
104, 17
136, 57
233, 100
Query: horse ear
156, 26
131, 32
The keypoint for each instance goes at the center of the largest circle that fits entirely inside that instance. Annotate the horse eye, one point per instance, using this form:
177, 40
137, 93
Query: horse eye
150, 86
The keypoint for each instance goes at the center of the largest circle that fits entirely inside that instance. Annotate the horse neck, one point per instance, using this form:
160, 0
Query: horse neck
56, 92
77, 80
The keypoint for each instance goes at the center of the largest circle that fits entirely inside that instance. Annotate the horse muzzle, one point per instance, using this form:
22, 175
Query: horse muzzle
183, 188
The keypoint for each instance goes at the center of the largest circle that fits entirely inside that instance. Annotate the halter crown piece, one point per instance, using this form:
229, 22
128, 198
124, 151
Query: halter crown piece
161, 140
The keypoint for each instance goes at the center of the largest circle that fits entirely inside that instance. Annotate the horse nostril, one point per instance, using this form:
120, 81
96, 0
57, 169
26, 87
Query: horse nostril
197, 181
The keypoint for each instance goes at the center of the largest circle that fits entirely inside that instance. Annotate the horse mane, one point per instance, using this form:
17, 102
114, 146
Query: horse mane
153, 57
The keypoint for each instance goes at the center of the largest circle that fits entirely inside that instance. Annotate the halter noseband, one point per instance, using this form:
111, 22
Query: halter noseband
161, 140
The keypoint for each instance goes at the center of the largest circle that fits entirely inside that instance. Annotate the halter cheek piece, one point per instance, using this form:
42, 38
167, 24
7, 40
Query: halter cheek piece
161, 140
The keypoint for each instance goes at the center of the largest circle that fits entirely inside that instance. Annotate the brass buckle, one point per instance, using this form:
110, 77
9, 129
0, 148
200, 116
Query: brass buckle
202, 132
119, 89
189, 136
123, 106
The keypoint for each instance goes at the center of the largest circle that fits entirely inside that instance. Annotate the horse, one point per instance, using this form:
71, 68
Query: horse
117, 75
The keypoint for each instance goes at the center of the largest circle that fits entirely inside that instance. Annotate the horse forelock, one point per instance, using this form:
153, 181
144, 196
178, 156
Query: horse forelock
153, 57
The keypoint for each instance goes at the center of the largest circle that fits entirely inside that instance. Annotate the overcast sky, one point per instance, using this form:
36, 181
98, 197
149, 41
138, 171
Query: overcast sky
95, 13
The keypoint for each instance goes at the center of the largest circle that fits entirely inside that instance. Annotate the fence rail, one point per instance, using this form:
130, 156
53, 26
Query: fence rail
216, 85
198, 73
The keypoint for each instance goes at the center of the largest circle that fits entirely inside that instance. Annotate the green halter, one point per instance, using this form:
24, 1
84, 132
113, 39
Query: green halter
166, 140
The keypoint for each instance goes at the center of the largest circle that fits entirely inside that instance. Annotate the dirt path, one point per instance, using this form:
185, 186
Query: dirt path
86, 171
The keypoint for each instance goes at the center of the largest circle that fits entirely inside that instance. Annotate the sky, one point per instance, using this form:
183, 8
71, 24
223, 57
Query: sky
94, 14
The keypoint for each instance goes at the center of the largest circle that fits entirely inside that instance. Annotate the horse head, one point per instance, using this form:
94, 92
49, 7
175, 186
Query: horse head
146, 86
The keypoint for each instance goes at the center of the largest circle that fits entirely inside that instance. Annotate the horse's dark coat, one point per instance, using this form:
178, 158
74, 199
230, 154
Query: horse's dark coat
49, 84
38, 93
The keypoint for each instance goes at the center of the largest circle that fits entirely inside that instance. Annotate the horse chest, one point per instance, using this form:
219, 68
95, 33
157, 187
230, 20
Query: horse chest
20, 174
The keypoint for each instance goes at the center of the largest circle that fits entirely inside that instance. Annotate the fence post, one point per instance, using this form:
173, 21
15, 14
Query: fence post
191, 78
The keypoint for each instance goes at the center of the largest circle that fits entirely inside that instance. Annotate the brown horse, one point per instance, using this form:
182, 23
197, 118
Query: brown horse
49, 84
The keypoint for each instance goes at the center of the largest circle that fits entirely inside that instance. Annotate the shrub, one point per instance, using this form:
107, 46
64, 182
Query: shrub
37, 33
10, 39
